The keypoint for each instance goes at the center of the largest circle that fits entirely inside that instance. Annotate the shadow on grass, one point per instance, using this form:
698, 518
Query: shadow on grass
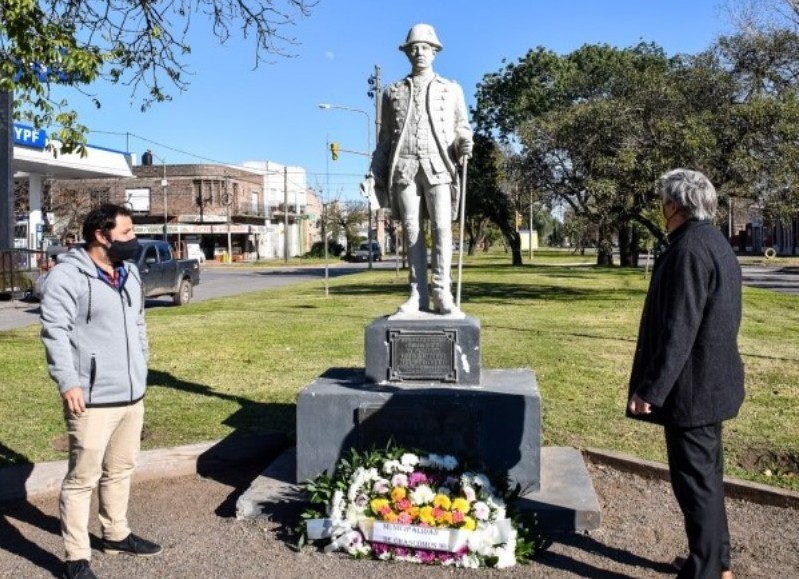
19, 509
238, 458
487, 292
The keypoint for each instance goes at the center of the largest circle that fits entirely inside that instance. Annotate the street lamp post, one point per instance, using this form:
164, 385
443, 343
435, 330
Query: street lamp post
328, 106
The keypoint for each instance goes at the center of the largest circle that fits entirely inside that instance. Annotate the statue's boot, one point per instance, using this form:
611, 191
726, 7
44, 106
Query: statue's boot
417, 301
444, 304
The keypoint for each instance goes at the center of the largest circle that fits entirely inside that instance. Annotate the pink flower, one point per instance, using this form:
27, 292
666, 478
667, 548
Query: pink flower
404, 519
403, 504
457, 517
416, 479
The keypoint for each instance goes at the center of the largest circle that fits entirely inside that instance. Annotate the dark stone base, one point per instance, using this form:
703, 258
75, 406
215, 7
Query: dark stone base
566, 501
425, 348
495, 427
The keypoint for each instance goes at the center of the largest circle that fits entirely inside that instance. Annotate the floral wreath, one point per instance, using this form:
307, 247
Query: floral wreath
396, 504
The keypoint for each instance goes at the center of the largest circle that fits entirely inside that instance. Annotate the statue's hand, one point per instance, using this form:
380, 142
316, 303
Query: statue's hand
465, 149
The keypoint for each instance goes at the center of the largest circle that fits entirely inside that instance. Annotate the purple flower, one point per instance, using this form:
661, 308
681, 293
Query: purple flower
426, 557
380, 548
416, 479
401, 551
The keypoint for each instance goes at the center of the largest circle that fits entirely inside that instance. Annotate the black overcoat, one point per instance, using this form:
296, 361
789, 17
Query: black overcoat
687, 364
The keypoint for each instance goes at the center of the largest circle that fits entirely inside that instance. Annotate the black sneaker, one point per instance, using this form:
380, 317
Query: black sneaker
132, 545
78, 570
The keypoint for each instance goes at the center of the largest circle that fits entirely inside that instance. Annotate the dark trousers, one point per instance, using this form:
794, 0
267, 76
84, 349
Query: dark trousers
696, 466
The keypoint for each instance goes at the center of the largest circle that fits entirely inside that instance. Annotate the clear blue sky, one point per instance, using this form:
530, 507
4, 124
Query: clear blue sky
233, 113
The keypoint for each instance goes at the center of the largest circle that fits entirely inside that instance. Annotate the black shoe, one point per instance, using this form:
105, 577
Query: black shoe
78, 570
132, 545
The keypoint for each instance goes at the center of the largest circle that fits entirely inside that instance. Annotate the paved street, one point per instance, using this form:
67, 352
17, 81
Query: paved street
215, 282
220, 281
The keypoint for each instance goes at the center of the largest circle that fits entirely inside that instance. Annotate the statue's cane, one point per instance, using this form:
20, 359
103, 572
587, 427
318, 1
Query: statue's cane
464, 163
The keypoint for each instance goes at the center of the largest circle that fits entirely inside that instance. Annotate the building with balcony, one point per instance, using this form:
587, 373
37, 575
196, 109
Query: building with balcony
223, 209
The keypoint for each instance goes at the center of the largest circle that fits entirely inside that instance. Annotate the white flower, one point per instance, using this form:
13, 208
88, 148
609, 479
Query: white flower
481, 511
381, 486
469, 494
353, 514
391, 466
336, 510
409, 459
481, 480
506, 555
399, 480
422, 495
470, 561
354, 544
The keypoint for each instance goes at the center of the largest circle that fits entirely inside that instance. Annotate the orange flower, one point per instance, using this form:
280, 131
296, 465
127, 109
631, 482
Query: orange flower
398, 493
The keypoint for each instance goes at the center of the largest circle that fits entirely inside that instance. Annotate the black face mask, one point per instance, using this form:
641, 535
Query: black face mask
122, 250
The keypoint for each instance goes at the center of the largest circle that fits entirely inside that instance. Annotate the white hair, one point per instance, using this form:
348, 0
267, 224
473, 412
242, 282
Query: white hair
693, 193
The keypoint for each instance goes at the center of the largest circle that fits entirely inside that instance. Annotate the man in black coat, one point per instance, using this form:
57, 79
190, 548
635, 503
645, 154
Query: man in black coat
687, 372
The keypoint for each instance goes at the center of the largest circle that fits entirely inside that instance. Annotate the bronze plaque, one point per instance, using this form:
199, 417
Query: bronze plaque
436, 426
420, 355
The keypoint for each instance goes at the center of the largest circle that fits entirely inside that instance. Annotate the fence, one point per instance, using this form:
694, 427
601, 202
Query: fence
18, 270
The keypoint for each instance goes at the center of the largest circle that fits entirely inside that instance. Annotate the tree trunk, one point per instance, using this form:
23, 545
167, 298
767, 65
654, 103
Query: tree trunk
629, 241
604, 249
514, 242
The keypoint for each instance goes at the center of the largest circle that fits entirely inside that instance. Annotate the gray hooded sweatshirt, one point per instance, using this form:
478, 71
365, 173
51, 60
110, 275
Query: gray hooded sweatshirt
94, 335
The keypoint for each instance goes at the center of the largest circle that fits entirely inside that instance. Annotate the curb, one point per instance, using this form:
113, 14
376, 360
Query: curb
29, 480
734, 488
22, 481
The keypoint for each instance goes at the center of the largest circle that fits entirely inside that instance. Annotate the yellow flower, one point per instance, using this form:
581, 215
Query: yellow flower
390, 517
469, 523
377, 504
398, 493
441, 501
426, 515
460, 504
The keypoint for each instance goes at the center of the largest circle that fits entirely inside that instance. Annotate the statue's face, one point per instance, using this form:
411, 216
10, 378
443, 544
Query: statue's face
421, 56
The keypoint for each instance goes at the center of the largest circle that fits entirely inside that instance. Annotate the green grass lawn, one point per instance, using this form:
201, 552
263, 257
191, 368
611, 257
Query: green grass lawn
238, 363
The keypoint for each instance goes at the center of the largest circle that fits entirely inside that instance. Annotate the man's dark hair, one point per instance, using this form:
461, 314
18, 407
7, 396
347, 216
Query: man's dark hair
103, 218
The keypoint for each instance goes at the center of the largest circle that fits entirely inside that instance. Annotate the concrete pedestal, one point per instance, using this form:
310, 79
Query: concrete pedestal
495, 426
424, 348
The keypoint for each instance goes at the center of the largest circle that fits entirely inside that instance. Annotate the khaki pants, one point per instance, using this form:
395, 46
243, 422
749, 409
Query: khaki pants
103, 446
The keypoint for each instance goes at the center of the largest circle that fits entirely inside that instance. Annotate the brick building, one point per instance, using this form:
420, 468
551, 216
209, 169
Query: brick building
223, 209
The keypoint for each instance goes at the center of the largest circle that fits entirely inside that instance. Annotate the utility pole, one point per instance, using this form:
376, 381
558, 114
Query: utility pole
7, 217
375, 91
325, 216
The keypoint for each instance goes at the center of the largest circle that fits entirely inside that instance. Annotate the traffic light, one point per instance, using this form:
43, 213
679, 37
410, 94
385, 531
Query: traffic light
334, 151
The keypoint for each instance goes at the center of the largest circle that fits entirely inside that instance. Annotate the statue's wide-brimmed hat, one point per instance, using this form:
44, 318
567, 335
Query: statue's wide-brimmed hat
422, 33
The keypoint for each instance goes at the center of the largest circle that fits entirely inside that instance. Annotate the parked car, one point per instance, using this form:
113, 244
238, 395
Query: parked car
164, 275
362, 253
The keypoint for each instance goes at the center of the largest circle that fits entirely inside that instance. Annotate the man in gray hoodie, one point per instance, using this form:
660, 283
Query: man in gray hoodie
95, 340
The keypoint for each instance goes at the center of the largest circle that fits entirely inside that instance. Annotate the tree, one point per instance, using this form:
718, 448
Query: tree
487, 200
141, 44
345, 220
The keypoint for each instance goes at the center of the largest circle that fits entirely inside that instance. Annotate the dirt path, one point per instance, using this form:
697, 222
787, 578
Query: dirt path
193, 517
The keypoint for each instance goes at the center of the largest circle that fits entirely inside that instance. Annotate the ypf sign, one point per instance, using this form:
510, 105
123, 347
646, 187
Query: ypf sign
26, 136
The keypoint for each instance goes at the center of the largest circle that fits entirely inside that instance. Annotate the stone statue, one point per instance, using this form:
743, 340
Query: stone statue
424, 135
